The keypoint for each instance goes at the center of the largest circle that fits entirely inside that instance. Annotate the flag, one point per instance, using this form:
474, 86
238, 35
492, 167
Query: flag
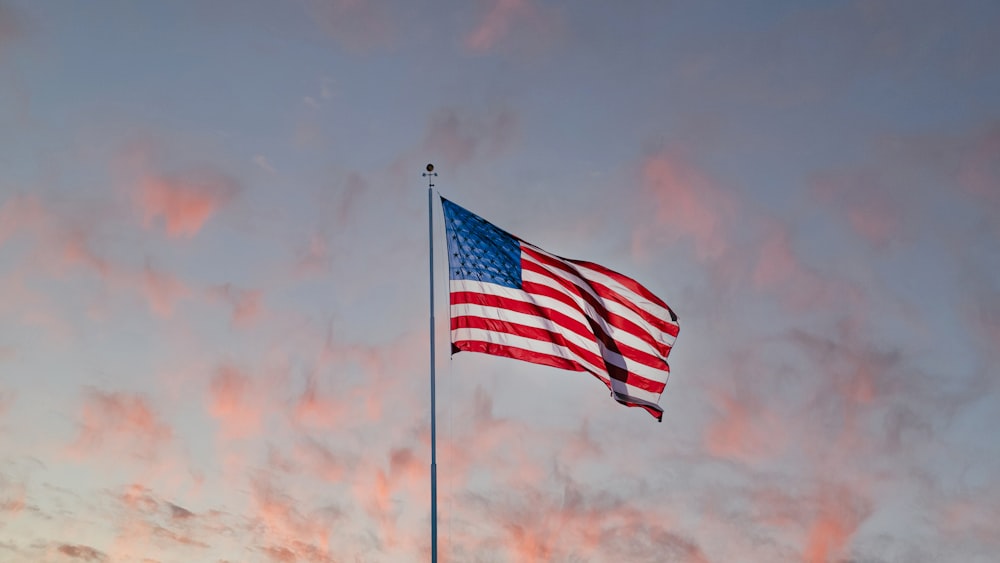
511, 298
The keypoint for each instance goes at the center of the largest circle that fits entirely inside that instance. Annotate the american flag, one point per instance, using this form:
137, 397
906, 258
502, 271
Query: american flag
511, 298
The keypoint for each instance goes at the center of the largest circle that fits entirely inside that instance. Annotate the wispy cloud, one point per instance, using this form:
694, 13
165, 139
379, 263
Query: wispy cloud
459, 138
123, 422
689, 206
82, 552
184, 202
503, 20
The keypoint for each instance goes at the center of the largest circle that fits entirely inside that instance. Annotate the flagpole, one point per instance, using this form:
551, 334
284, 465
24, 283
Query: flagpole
430, 174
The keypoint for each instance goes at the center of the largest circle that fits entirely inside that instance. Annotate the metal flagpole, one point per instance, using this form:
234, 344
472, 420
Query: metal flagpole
430, 174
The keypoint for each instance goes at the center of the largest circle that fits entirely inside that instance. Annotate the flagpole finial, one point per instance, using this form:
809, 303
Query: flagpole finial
430, 174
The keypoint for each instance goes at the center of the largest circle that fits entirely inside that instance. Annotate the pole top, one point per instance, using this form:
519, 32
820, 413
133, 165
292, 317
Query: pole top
430, 174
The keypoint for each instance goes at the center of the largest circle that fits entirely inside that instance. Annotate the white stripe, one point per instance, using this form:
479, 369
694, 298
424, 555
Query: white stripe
586, 274
532, 345
654, 373
524, 343
580, 281
594, 346
534, 321
619, 334
627, 294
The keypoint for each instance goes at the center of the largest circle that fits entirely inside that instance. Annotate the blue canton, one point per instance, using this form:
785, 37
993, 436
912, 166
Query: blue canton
478, 250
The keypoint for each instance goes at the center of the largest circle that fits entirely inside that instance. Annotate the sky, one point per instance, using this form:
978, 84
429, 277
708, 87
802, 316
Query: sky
214, 297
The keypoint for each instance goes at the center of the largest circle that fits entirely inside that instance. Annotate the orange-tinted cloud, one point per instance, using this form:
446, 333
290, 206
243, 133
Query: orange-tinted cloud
120, 421
837, 515
287, 531
688, 205
184, 203
745, 429
317, 409
161, 290
236, 400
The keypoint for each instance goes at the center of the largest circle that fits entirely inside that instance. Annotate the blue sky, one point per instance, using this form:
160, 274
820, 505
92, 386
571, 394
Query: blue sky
213, 279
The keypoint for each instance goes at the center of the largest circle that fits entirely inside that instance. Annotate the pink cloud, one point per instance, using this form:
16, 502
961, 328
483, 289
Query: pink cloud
184, 203
122, 421
316, 409
502, 19
867, 203
688, 205
459, 138
286, 529
235, 400
837, 516
777, 268
745, 429
161, 290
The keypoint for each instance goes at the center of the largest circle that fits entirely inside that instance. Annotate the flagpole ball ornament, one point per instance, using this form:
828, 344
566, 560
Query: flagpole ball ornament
430, 168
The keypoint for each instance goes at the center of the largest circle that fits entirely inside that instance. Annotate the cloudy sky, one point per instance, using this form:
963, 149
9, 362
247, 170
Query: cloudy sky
214, 284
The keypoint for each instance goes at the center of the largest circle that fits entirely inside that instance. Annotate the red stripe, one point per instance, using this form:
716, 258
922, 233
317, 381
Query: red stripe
558, 317
548, 360
616, 372
592, 332
654, 410
606, 292
600, 289
628, 282
518, 354
613, 319
595, 330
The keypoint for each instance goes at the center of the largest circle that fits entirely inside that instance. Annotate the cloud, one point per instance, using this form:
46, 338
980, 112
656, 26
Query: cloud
503, 20
65, 243
459, 138
688, 206
837, 514
120, 421
235, 400
287, 531
161, 290
179, 512
264, 164
83, 552
246, 304
745, 428
184, 202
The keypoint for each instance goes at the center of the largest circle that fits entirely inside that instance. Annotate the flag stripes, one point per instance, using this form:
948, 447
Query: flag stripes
510, 298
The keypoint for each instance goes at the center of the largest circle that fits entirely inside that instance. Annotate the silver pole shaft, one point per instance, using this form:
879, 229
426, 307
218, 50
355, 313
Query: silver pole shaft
430, 240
